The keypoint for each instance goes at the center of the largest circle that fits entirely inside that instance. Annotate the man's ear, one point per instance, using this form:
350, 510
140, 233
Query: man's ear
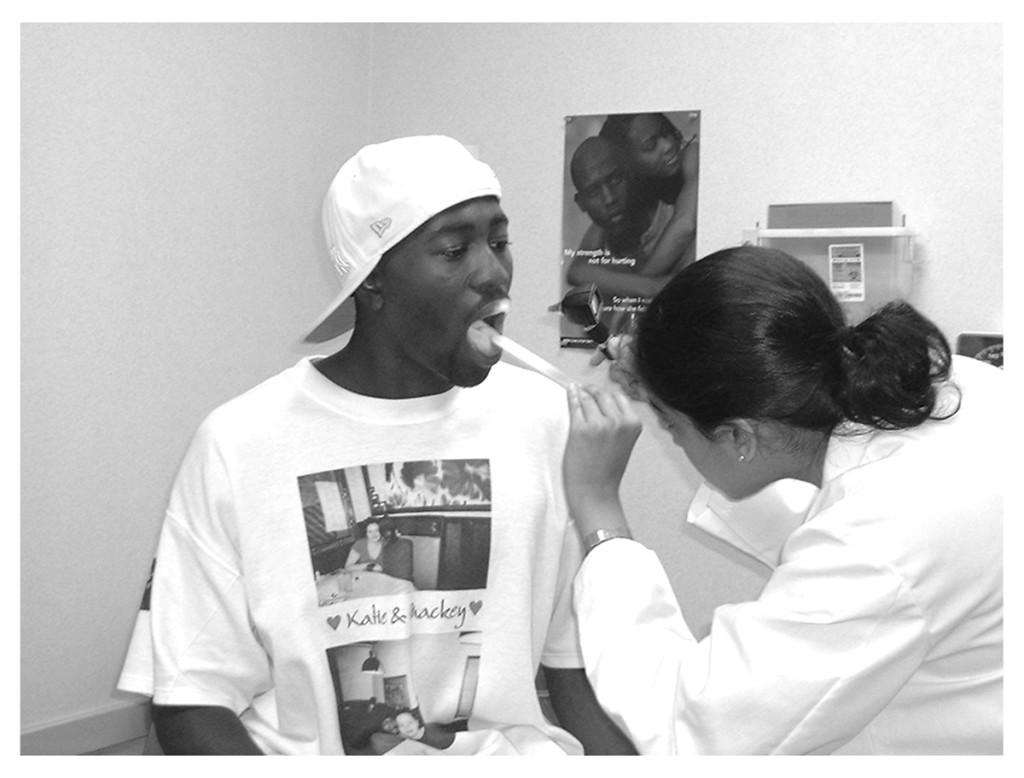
740, 438
370, 291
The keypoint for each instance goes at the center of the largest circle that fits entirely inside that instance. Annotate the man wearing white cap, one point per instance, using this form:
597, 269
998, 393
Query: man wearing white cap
256, 640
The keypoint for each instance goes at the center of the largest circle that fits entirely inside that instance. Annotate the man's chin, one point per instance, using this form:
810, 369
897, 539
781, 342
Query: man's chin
471, 375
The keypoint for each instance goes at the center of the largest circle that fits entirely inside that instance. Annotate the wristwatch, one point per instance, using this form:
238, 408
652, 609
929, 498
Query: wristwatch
594, 539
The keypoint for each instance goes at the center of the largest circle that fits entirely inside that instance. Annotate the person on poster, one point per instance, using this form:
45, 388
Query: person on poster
665, 167
641, 196
235, 650
880, 630
625, 227
613, 252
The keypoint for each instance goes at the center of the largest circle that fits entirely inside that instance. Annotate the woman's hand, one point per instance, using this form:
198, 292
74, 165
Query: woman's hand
619, 350
603, 429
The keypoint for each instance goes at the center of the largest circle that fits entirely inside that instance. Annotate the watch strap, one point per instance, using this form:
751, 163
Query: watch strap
594, 539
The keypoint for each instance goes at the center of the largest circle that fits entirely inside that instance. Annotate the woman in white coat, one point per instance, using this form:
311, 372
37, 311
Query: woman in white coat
880, 629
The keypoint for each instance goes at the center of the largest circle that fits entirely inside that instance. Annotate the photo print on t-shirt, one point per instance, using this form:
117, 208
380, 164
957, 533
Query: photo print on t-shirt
400, 553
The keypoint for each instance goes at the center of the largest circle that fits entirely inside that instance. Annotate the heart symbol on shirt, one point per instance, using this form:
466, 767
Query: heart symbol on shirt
475, 606
334, 621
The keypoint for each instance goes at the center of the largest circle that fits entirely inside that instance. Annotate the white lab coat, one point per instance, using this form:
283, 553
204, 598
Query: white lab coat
879, 631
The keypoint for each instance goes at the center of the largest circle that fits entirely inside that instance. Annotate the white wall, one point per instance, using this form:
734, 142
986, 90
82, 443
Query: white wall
171, 183
170, 255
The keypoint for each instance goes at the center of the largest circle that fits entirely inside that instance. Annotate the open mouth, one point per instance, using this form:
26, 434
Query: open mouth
489, 321
494, 313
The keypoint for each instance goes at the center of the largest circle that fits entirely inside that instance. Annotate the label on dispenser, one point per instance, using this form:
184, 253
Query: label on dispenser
846, 271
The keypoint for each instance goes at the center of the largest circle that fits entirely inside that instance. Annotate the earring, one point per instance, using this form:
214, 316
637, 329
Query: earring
743, 458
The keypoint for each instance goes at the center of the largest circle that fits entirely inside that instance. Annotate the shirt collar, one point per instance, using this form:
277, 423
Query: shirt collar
852, 445
411, 410
758, 526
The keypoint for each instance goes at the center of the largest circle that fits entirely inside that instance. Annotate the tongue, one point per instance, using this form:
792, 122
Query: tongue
481, 338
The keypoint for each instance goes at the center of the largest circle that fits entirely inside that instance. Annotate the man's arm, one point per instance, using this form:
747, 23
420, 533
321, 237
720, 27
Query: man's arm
201, 730
625, 282
580, 714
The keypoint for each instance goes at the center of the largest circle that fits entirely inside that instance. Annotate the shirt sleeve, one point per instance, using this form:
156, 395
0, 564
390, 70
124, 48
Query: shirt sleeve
802, 669
137, 671
204, 648
562, 646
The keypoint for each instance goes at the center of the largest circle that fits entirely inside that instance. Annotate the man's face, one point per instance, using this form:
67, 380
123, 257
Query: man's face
441, 279
602, 184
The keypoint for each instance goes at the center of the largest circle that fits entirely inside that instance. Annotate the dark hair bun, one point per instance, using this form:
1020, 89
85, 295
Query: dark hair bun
752, 332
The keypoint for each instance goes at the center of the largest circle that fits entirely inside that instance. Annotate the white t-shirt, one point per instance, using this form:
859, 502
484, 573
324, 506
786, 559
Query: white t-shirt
880, 630
251, 607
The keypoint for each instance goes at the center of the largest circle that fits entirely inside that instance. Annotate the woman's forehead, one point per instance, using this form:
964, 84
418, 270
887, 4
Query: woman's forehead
644, 127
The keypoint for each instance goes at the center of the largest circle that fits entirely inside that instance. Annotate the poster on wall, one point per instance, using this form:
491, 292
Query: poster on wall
629, 216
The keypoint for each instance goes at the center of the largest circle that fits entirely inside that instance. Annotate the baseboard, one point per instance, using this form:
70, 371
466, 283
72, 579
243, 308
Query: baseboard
89, 731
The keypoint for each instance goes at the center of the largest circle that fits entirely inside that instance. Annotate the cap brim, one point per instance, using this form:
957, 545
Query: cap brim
339, 318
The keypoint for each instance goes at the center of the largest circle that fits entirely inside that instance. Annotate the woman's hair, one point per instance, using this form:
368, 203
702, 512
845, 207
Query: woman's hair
754, 333
616, 127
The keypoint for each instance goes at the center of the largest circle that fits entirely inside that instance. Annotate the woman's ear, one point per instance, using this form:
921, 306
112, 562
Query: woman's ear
739, 436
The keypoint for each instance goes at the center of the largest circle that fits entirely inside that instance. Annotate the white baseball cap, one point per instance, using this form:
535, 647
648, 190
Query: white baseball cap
379, 197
